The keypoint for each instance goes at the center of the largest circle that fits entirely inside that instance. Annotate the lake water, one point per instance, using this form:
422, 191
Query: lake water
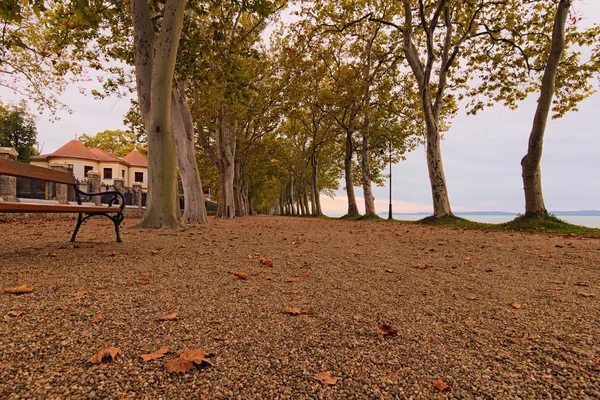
583, 220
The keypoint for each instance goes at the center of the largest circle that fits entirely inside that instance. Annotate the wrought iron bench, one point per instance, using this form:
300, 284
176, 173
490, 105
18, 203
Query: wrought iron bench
114, 210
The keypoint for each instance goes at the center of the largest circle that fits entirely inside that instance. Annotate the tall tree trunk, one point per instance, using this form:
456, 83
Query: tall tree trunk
366, 172
240, 200
155, 66
352, 206
183, 131
315, 185
530, 164
437, 178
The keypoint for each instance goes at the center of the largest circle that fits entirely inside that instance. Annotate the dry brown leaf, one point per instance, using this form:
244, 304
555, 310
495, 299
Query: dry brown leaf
293, 311
182, 246
156, 355
145, 281
440, 385
241, 275
582, 283
389, 271
113, 253
471, 297
546, 256
97, 319
386, 330
177, 365
196, 356
326, 378
15, 314
586, 294
306, 311
104, 354
291, 280
154, 251
255, 272
597, 364
170, 317
558, 282
516, 305
266, 261
23, 289
306, 274
222, 336
268, 278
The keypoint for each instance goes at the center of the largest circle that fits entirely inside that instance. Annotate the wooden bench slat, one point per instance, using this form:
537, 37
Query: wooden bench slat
8, 207
15, 168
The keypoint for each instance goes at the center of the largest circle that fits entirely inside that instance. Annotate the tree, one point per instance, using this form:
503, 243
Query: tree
155, 59
17, 130
117, 142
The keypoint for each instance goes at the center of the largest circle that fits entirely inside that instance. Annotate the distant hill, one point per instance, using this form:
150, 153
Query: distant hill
586, 213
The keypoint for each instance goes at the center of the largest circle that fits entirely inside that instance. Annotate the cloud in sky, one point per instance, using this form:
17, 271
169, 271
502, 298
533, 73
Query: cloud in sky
482, 153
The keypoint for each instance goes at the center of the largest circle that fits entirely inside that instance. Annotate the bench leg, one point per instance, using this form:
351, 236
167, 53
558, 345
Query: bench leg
117, 219
79, 222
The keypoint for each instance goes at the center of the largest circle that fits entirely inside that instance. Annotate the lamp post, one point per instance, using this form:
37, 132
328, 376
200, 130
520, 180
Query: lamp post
390, 161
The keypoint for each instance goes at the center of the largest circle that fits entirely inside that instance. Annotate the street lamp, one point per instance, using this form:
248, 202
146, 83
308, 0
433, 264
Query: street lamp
390, 154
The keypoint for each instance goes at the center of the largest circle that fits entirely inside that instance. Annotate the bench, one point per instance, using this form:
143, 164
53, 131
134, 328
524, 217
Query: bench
114, 210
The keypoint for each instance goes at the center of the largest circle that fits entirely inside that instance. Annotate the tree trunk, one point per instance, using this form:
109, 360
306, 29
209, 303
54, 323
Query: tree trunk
366, 174
315, 186
530, 164
352, 206
439, 191
183, 131
154, 95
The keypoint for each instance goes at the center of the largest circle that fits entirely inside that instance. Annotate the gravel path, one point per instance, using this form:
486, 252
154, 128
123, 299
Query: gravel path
450, 293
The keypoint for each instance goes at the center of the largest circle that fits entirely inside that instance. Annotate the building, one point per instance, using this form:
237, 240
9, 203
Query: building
133, 168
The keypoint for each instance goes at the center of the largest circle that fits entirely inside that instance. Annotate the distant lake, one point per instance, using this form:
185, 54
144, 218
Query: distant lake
591, 221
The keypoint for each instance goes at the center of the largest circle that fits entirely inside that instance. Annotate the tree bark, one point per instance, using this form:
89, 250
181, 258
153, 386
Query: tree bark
183, 131
315, 186
352, 206
530, 164
154, 94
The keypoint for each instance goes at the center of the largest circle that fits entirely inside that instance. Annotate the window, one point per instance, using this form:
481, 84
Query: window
139, 177
87, 169
122, 173
107, 173
70, 167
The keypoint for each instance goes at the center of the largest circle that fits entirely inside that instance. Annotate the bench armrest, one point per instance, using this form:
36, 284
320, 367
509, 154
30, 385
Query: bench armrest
117, 197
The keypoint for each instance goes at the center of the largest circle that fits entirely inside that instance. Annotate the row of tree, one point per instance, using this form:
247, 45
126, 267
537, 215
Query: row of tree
340, 89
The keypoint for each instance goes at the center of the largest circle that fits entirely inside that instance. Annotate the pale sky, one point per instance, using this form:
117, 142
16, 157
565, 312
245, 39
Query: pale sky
481, 153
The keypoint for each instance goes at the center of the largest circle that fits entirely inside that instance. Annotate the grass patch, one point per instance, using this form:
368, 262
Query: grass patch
549, 223
370, 218
351, 217
454, 222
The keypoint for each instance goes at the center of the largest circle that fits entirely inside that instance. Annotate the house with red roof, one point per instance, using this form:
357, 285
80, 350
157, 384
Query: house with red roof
133, 168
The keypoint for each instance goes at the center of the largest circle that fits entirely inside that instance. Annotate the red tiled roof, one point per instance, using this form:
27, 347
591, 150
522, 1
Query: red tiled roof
136, 159
106, 156
74, 149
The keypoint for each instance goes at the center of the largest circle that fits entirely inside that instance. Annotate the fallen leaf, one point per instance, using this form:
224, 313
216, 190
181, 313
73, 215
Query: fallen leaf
23, 289
268, 278
326, 378
51, 254
196, 356
177, 365
97, 319
306, 311
291, 280
156, 355
145, 281
558, 282
182, 246
255, 272
546, 256
597, 365
154, 251
586, 294
266, 261
471, 297
15, 314
582, 283
223, 336
516, 305
170, 317
389, 271
104, 354
293, 311
440, 385
386, 330
241, 275
306, 274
